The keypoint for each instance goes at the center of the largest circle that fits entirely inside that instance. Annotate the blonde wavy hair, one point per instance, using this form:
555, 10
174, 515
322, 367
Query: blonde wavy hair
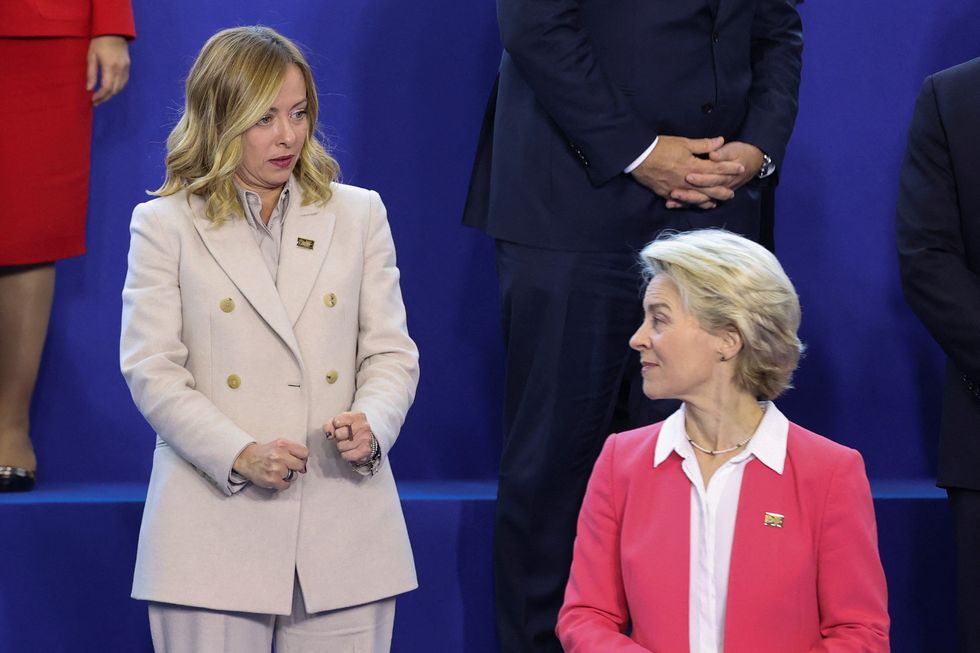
233, 82
727, 281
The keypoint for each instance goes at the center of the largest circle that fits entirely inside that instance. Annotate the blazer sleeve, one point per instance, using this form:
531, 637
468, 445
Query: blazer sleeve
387, 358
938, 284
552, 51
851, 591
152, 356
595, 614
777, 58
113, 17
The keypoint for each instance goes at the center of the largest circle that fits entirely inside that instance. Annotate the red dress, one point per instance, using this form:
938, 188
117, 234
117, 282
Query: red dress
44, 152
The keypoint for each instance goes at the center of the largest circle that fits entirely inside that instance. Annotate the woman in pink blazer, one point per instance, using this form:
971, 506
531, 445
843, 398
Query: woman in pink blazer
726, 527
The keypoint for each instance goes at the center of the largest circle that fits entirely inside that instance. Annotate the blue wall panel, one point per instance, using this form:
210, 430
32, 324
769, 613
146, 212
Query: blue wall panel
871, 378
403, 87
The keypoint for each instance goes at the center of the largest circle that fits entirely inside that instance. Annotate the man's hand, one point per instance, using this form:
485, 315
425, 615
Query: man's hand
352, 434
750, 158
273, 464
108, 62
666, 169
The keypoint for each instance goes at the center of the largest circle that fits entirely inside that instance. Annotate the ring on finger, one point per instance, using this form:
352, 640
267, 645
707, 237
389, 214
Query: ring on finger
289, 475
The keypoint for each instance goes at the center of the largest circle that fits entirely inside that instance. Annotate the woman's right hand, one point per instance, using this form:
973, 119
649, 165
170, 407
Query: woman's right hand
268, 465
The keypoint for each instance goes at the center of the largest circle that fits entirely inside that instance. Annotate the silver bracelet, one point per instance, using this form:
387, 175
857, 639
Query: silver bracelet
373, 460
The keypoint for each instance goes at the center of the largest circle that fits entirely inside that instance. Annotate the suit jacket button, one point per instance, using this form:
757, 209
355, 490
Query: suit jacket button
330, 300
715, 37
332, 377
234, 381
707, 107
227, 304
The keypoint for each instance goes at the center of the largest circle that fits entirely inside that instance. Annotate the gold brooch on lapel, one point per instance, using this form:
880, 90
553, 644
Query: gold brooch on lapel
773, 519
305, 243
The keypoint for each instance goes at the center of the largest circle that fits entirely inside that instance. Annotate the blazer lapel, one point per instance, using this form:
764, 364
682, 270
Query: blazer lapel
675, 550
656, 541
233, 247
758, 547
306, 236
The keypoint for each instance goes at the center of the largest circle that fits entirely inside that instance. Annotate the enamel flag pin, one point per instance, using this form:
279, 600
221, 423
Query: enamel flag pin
773, 519
305, 243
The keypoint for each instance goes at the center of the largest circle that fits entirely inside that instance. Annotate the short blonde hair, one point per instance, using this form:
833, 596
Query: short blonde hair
233, 82
727, 281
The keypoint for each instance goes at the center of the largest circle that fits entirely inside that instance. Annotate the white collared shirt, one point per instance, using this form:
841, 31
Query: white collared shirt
713, 511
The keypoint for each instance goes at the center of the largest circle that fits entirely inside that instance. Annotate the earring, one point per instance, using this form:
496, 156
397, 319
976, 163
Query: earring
723, 359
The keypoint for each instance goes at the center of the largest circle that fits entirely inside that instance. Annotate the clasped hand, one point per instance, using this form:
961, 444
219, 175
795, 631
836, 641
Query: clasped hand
271, 465
677, 171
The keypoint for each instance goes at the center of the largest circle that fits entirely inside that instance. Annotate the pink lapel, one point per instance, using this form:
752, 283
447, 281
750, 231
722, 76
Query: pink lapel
657, 554
769, 583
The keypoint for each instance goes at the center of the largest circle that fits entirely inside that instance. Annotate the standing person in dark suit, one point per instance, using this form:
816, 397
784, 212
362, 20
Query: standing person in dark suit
609, 122
939, 254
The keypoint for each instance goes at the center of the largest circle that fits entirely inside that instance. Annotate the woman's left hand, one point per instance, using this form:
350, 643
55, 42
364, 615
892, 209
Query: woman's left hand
352, 434
108, 59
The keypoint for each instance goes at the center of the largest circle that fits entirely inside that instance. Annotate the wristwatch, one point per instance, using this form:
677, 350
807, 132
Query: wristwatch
768, 167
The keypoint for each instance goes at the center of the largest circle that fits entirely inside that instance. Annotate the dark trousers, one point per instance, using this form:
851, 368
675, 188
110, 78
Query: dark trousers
571, 379
965, 506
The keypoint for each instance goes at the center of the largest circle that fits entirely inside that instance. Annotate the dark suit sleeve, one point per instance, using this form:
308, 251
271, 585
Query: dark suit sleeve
552, 51
777, 57
939, 286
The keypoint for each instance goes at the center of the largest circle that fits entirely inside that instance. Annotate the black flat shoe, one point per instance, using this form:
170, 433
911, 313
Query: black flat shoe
16, 479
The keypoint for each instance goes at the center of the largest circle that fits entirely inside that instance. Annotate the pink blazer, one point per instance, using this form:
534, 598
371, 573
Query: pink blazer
813, 585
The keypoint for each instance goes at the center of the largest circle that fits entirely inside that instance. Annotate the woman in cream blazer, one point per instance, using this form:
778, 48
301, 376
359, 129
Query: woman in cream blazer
220, 354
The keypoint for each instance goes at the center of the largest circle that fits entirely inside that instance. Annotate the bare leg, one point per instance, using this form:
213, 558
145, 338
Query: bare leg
26, 293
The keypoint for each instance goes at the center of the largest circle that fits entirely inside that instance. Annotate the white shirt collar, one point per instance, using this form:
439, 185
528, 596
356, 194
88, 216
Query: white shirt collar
768, 444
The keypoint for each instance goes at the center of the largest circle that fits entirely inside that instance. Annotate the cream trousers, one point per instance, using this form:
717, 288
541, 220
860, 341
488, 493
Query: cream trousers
359, 629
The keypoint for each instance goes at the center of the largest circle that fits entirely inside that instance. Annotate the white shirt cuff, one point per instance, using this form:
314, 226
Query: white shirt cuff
638, 160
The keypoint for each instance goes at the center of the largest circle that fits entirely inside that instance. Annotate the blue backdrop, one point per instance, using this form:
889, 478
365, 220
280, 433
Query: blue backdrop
403, 87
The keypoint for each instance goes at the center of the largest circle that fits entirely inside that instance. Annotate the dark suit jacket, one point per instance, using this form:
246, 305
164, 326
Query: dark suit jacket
939, 252
586, 85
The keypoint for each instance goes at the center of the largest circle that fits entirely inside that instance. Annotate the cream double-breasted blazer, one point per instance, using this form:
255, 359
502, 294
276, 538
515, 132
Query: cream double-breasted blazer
217, 355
